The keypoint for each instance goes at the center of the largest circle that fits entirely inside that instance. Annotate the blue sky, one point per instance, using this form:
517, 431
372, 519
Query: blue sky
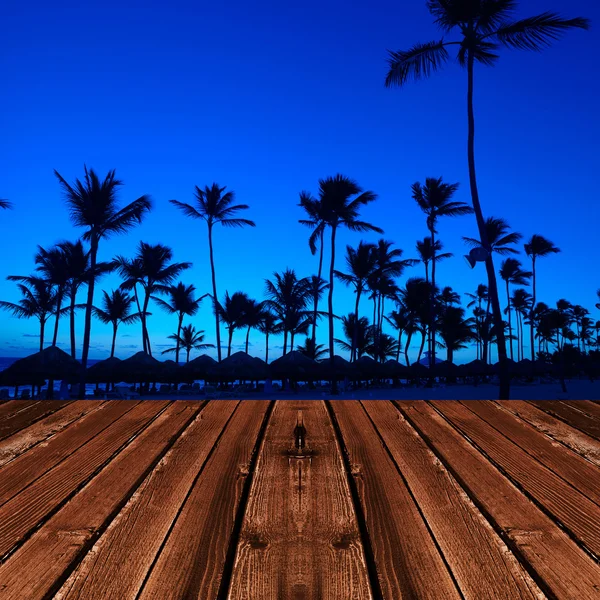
265, 99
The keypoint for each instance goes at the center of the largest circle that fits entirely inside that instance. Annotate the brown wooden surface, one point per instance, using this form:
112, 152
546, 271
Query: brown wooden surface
162, 500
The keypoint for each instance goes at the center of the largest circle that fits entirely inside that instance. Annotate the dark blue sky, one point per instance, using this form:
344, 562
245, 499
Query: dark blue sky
267, 98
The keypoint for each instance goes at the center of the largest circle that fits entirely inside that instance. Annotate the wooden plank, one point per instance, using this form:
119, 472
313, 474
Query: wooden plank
119, 562
570, 415
40, 566
582, 475
480, 561
13, 423
25, 511
561, 568
585, 406
409, 564
300, 536
191, 562
570, 507
21, 472
14, 406
39, 431
556, 429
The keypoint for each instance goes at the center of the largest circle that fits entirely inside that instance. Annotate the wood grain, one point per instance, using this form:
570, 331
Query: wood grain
13, 423
36, 569
480, 561
120, 560
26, 510
572, 416
408, 561
300, 537
12, 407
585, 406
578, 441
191, 562
563, 570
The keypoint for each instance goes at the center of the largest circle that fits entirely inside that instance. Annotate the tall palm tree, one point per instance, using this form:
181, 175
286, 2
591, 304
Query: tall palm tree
414, 299
189, 339
483, 27
312, 350
39, 301
269, 325
360, 263
400, 321
428, 253
253, 317
214, 205
314, 211
512, 274
480, 295
579, 313
359, 330
499, 236
93, 205
455, 330
434, 198
232, 312
341, 199
521, 301
154, 272
383, 347
537, 247
181, 302
116, 309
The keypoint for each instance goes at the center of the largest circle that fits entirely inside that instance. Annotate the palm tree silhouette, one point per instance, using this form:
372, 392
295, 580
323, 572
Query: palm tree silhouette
483, 28
253, 314
521, 302
181, 302
428, 253
415, 299
512, 273
93, 204
39, 301
215, 205
5, 204
448, 296
383, 347
269, 325
455, 331
232, 313
537, 247
189, 339
499, 237
359, 330
598, 303
579, 314
312, 350
116, 309
435, 200
400, 321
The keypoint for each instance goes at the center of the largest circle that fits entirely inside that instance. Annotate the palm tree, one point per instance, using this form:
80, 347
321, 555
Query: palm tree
598, 303
499, 237
314, 211
312, 350
383, 347
400, 321
189, 339
414, 299
93, 204
5, 204
116, 309
215, 205
269, 325
360, 263
521, 301
252, 317
39, 301
455, 330
434, 198
232, 312
512, 273
152, 270
341, 199
537, 247
579, 313
480, 295
483, 28
428, 253
448, 296
359, 330
181, 302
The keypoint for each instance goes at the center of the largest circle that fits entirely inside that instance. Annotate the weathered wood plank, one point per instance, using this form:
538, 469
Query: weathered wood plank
38, 567
554, 428
22, 513
582, 475
39, 431
21, 472
480, 561
300, 537
563, 570
191, 562
11, 407
569, 506
572, 416
409, 564
120, 560
19, 420
585, 406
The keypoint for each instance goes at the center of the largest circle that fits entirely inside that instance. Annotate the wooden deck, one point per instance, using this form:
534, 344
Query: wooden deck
293, 500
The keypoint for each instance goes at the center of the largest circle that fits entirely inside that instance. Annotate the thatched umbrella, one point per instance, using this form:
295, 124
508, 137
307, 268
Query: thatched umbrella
238, 366
51, 363
294, 365
418, 370
395, 370
141, 368
476, 367
105, 371
342, 368
366, 368
199, 368
511, 364
447, 369
170, 372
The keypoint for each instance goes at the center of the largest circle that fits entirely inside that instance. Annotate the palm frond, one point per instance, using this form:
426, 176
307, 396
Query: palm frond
187, 209
417, 62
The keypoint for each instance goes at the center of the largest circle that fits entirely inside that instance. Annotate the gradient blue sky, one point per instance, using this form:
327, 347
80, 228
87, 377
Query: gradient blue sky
266, 98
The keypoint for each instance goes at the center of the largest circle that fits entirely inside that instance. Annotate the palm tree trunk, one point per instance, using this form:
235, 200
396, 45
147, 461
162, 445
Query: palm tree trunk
42, 327
59, 295
88, 312
179, 324
427, 272
285, 334
509, 320
355, 333
188, 355
214, 287
431, 309
316, 300
330, 307
423, 336
144, 324
504, 392
139, 307
72, 321
229, 345
267, 352
114, 340
247, 337
399, 345
291, 341
410, 334
374, 308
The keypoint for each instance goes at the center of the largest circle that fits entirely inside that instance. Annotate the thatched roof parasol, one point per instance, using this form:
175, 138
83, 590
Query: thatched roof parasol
50, 363
342, 368
239, 366
198, 368
141, 367
295, 365
105, 371
392, 368
476, 367
170, 372
446, 369
365, 367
